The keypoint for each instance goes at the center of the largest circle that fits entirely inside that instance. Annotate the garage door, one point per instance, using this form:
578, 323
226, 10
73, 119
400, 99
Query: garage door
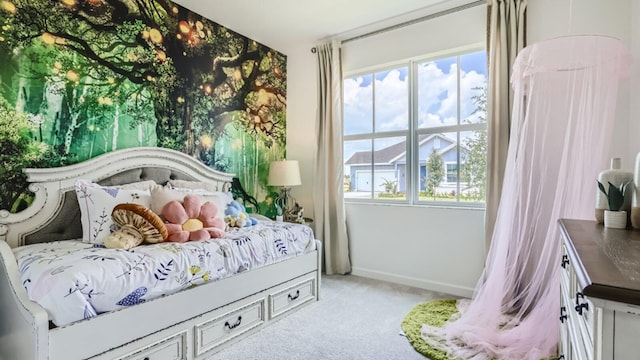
363, 179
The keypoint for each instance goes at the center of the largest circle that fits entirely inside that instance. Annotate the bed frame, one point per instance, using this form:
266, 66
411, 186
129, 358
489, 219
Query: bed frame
191, 324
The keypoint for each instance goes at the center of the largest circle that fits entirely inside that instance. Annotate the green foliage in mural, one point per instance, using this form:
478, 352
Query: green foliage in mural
92, 76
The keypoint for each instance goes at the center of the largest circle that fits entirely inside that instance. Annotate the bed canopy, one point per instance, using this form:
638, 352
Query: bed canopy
563, 119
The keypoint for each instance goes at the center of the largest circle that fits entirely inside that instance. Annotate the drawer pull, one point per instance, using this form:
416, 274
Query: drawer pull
565, 261
231, 327
579, 308
561, 357
297, 295
563, 314
146, 358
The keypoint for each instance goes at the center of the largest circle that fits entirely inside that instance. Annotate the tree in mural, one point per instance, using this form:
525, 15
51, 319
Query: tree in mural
179, 80
17, 153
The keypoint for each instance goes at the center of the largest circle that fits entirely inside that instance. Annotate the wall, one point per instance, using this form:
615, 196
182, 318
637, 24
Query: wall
552, 18
438, 248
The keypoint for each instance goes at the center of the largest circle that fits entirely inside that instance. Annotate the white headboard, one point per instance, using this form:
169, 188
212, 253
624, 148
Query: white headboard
54, 213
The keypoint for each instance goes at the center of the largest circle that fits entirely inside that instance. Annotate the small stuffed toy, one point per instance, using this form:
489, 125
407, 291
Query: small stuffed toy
138, 225
236, 215
190, 220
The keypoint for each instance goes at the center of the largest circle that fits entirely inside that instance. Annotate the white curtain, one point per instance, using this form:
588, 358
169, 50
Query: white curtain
565, 93
505, 38
329, 209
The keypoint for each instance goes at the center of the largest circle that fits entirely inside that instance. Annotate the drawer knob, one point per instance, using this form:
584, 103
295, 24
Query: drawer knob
563, 314
565, 261
293, 297
235, 325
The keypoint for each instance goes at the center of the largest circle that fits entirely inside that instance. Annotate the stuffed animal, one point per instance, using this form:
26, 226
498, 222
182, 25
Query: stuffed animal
191, 220
138, 225
236, 215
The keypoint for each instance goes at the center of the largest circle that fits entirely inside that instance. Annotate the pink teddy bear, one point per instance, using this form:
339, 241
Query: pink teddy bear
191, 220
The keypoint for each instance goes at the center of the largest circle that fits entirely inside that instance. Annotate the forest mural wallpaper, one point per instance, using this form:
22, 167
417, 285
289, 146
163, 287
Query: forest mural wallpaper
79, 78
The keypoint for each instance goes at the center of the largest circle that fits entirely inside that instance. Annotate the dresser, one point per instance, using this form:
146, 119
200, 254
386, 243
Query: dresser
600, 292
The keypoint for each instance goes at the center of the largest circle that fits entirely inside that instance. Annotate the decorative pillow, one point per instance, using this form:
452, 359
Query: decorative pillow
138, 224
193, 185
160, 196
201, 188
139, 185
192, 220
96, 204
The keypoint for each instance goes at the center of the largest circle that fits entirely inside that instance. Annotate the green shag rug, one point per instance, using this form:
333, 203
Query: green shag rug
434, 313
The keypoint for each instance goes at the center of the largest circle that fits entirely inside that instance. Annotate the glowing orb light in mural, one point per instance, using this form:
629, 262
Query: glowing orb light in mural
8, 7
155, 36
184, 27
68, 3
72, 76
206, 141
48, 38
161, 55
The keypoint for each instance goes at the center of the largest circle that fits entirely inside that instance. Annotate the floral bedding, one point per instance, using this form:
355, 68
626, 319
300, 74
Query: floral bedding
73, 280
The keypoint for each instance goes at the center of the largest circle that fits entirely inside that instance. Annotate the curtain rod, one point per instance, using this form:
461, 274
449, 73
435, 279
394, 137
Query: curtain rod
418, 20
414, 21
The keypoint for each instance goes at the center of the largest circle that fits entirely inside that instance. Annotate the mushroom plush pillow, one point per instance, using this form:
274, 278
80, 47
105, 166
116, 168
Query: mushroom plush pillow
191, 220
138, 225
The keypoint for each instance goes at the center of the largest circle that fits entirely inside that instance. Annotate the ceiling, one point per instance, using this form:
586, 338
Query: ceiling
284, 24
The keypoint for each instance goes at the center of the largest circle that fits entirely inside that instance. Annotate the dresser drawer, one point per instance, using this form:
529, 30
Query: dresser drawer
221, 329
291, 297
172, 348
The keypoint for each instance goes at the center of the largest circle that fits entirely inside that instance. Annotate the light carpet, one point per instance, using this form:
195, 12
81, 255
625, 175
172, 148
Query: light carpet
356, 318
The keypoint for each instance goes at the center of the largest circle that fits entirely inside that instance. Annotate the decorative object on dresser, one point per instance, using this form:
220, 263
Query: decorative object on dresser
614, 216
635, 202
617, 177
285, 173
600, 292
203, 307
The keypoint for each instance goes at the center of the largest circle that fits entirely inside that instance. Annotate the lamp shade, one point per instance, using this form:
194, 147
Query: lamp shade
284, 173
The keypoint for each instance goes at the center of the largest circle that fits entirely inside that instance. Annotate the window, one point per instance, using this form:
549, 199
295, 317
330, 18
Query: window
416, 132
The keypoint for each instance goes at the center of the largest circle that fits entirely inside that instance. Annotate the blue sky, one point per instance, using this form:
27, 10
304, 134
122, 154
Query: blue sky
437, 89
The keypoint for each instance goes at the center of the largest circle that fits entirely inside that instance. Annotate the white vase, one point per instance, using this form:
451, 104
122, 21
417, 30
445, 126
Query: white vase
615, 219
635, 202
616, 177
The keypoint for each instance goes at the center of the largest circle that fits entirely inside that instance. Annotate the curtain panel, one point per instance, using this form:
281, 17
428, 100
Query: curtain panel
506, 36
329, 208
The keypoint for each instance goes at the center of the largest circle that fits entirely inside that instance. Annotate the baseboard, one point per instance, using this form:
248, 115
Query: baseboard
456, 290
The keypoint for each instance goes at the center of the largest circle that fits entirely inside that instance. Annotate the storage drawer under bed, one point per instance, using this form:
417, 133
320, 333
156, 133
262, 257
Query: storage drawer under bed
291, 297
172, 348
225, 327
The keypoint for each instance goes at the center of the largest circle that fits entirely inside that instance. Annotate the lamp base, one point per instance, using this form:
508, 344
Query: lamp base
288, 206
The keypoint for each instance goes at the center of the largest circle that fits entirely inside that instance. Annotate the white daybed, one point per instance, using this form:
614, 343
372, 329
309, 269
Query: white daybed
178, 326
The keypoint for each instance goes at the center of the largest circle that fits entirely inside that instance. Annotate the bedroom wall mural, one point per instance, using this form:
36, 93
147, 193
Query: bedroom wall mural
79, 78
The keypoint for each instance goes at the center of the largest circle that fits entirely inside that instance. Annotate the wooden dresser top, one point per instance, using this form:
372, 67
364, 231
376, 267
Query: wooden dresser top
606, 261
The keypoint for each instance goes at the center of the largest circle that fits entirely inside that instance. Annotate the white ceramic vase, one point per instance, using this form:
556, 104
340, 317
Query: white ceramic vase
635, 203
615, 219
616, 177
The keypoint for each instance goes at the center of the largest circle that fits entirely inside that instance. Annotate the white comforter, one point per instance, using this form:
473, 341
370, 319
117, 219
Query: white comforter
74, 280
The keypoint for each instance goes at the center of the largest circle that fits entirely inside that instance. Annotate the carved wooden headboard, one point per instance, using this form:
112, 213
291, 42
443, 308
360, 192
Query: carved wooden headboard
54, 213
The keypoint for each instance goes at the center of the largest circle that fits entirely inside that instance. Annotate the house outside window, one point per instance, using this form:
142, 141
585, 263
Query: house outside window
416, 132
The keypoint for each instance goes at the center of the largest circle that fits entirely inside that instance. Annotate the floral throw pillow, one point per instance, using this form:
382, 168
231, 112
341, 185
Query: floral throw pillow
96, 204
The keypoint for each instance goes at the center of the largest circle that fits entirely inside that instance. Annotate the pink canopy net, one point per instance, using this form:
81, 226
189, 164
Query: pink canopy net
563, 115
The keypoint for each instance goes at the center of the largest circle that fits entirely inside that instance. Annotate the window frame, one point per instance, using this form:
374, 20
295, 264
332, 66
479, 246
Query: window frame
413, 132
